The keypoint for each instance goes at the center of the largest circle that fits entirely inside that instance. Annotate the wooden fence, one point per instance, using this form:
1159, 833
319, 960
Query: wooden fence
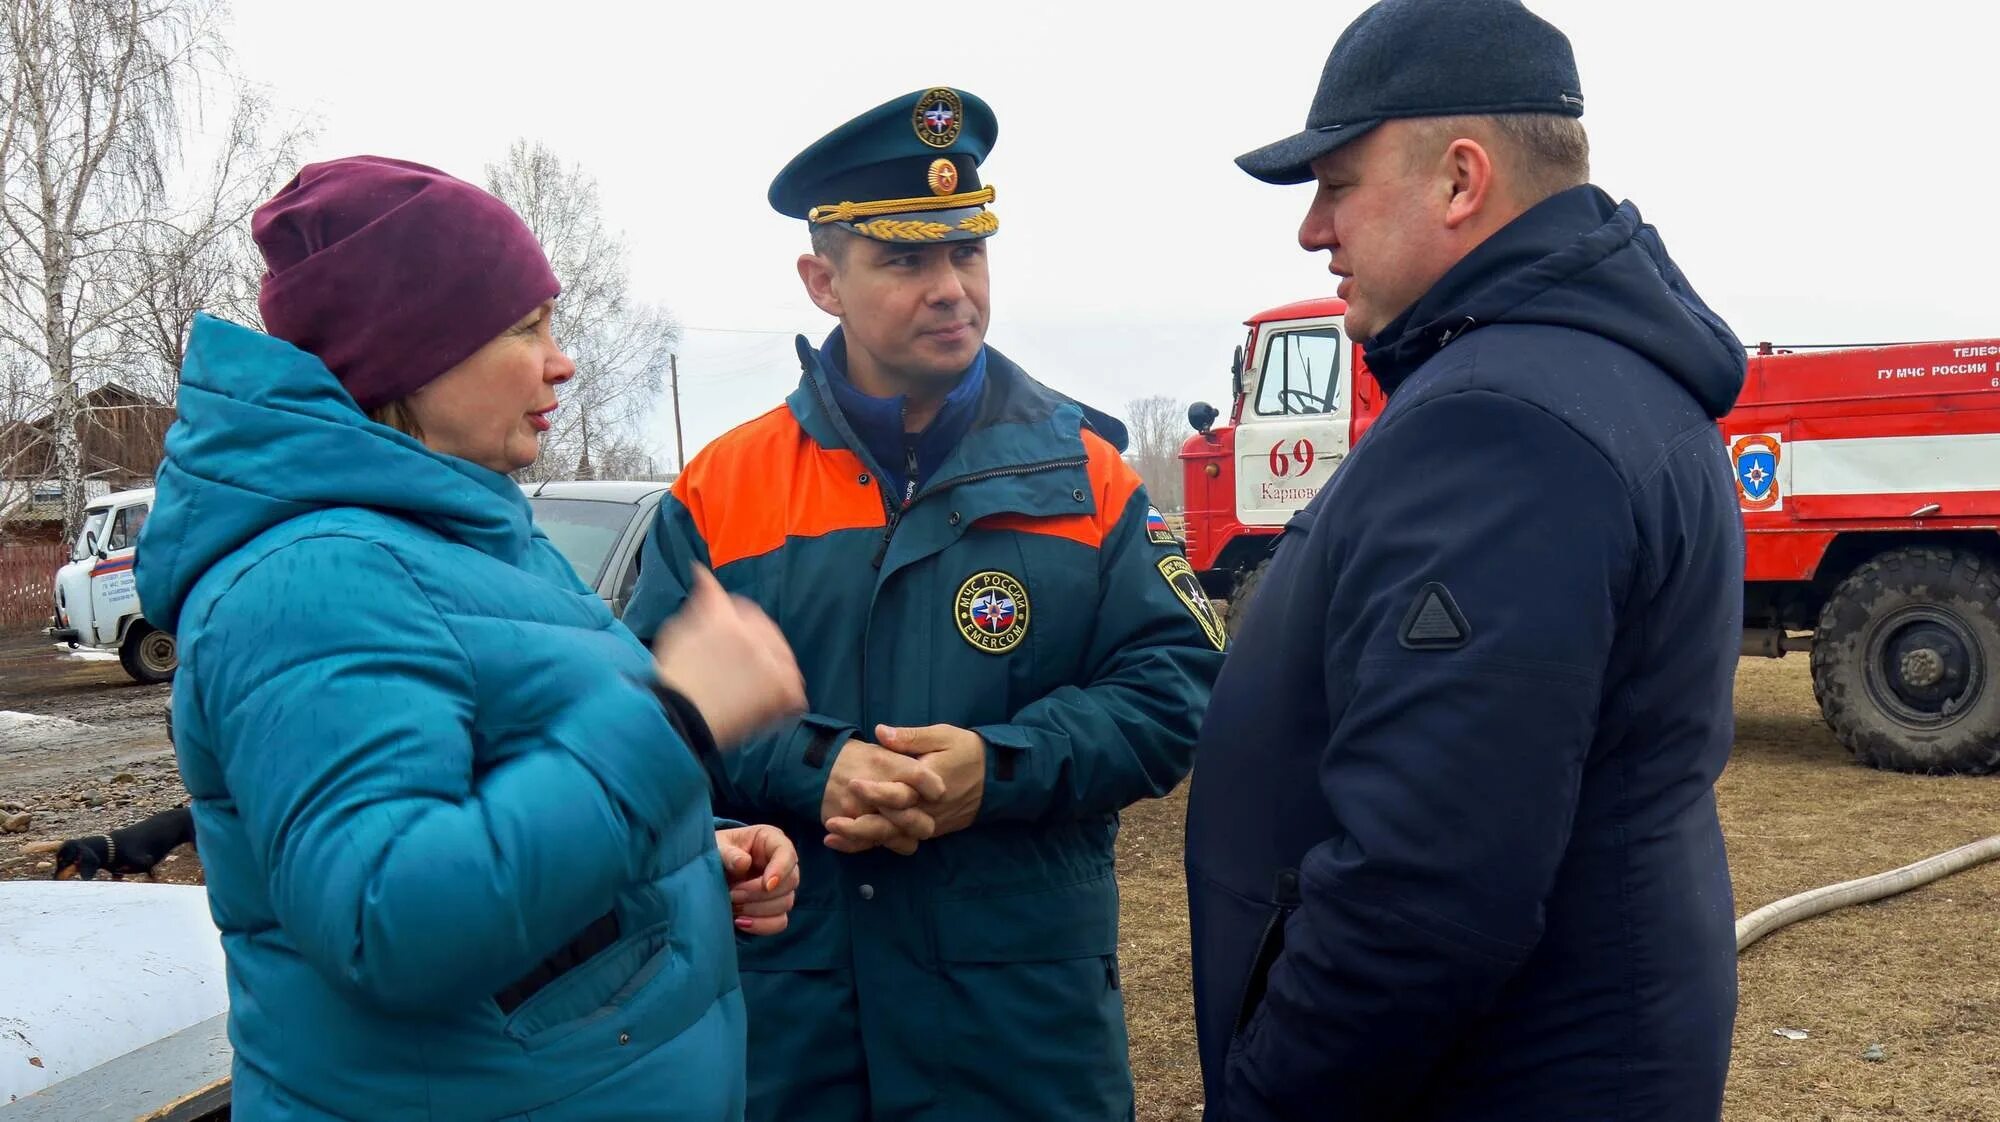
27, 585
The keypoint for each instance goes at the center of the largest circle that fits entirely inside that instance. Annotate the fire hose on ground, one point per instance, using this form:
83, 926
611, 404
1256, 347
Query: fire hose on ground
1791, 909
1862, 890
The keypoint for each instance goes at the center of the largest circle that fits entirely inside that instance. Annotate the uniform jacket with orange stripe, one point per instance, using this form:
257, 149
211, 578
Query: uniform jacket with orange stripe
1089, 696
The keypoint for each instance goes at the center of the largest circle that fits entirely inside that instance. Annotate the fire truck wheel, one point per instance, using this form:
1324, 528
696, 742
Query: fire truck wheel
1906, 662
148, 654
1246, 585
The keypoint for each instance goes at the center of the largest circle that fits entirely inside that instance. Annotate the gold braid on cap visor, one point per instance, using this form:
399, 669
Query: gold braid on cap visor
850, 212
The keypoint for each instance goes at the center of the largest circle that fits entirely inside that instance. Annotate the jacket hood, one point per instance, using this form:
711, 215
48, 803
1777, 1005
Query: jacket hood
1580, 261
265, 433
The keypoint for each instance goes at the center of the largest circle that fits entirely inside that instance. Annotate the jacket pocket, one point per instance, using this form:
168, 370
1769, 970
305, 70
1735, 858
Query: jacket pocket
599, 987
1077, 920
1270, 944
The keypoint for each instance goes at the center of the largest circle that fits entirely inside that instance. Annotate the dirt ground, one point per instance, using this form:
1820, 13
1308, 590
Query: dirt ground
1918, 975
83, 750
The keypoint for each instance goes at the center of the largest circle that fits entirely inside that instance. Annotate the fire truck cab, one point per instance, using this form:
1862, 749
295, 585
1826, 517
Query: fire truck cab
1299, 399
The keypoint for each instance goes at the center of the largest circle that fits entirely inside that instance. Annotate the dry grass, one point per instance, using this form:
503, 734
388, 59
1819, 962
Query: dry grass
1918, 974
1153, 960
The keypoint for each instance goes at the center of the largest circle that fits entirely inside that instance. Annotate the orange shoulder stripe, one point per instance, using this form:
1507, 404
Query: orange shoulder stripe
1112, 482
766, 481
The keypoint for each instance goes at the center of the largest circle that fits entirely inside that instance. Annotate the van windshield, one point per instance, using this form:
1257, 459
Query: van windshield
584, 530
93, 523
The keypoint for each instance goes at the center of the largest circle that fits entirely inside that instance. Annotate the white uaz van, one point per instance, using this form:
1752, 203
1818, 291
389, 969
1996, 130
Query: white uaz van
97, 601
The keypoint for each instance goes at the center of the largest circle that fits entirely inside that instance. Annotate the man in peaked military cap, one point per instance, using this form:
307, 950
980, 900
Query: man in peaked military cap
1003, 645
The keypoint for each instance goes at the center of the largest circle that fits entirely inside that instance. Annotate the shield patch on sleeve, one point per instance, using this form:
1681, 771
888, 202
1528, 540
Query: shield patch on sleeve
1181, 578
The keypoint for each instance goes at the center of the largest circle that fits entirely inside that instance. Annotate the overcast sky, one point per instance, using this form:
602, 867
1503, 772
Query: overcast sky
1823, 171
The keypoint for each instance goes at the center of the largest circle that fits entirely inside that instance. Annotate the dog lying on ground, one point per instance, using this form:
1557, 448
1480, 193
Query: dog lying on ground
134, 850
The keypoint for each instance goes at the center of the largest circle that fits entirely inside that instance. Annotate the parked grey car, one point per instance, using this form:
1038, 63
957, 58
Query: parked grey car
599, 524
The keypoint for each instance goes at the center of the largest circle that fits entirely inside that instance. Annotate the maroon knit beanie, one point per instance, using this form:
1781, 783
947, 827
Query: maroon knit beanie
392, 272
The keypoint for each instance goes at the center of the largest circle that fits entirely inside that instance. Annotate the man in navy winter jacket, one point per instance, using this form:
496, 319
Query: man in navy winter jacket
1452, 847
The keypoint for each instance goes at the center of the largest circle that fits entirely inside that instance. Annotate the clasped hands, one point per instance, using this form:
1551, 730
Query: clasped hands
907, 787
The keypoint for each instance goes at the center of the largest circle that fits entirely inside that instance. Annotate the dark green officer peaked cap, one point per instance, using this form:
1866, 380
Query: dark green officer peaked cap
904, 171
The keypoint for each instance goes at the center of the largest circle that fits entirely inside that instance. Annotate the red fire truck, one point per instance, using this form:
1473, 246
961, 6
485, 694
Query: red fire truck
1869, 479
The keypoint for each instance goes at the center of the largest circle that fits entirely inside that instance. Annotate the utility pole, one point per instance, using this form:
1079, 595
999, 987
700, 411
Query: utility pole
583, 468
680, 455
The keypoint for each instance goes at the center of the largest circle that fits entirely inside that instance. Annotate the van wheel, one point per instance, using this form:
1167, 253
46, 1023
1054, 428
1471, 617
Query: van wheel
148, 654
1906, 663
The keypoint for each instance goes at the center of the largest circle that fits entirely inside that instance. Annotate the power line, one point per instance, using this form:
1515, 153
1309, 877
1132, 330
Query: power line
741, 331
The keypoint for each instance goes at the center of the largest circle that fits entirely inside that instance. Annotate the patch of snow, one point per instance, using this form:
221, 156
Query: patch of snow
11, 719
87, 654
32, 730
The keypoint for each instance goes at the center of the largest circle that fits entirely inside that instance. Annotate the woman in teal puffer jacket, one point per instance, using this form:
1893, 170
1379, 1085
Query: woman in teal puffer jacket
454, 821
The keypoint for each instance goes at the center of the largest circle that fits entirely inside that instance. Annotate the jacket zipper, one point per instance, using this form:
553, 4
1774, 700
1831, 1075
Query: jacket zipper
891, 513
896, 513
